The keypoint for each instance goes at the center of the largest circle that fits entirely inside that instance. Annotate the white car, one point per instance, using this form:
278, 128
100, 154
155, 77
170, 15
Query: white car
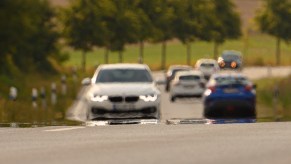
122, 91
207, 67
187, 84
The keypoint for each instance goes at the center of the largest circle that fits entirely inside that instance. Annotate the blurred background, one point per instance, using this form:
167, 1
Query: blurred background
48, 46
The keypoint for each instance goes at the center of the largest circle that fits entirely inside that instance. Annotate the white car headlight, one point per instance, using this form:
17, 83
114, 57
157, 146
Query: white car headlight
149, 98
98, 98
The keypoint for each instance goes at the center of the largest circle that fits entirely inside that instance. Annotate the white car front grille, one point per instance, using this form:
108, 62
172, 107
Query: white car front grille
120, 99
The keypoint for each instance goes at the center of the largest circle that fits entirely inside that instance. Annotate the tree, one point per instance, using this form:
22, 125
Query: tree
188, 23
223, 23
161, 15
85, 27
145, 27
275, 19
28, 37
123, 25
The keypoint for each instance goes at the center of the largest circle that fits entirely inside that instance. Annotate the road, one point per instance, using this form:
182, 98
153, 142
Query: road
151, 143
266, 143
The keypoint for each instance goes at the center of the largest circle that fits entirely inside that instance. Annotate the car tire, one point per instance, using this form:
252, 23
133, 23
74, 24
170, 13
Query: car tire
87, 117
167, 88
173, 99
158, 117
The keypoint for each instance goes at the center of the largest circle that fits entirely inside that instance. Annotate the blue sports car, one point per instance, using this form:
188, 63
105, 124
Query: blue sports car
229, 95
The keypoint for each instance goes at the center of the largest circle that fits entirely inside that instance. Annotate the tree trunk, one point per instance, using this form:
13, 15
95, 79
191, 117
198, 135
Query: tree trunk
215, 51
188, 53
141, 48
278, 52
120, 60
106, 56
246, 45
84, 61
164, 48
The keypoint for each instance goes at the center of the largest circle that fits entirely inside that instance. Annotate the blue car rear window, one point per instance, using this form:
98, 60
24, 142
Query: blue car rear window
227, 80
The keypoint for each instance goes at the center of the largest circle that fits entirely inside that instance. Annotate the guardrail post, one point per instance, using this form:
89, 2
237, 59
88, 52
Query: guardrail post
13, 94
53, 94
64, 85
43, 98
74, 72
275, 102
34, 95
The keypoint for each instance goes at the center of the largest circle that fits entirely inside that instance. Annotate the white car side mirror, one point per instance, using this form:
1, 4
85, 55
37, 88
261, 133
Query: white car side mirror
86, 81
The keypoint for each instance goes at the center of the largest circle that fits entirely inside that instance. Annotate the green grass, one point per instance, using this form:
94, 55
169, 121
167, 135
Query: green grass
257, 50
22, 111
265, 97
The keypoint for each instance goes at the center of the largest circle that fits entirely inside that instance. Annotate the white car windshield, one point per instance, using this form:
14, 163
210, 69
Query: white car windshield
230, 57
207, 65
123, 75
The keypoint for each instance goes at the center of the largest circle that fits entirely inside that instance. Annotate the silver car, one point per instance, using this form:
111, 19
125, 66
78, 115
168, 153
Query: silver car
207, 67
187, 84
230, 59
123, 91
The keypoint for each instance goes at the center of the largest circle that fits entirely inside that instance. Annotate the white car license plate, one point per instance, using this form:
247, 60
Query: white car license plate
189, 86
123, 106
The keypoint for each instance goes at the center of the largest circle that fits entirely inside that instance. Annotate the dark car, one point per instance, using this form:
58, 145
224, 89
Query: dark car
172, 72
230, 59
229, 95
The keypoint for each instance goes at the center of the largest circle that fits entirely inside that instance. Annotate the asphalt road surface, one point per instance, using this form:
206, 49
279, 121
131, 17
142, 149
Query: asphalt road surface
152, 143
267, 143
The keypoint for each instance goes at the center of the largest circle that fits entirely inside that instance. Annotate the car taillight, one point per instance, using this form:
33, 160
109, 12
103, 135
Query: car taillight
222, 64
212, 88
233, 64
248, 88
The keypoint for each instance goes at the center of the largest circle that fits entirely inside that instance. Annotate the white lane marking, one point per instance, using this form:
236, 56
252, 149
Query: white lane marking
63, 129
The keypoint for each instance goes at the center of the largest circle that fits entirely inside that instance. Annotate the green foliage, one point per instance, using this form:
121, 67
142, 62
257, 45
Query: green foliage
275, 18
84, 26
123, 25
265, 94
145, 27
161, 15
114, 23
260, 47
27, 34
226, 23
189, 20
223, 22
22, 111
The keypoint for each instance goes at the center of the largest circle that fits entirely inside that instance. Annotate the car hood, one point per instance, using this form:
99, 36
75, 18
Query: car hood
123, 89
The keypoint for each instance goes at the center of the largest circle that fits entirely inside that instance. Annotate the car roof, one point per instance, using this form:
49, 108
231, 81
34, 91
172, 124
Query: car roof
231, 52
123, 66
185, 73
179, 67
206, 61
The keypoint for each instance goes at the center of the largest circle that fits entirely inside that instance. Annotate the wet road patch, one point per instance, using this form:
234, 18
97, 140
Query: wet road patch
122, 122
176, 121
